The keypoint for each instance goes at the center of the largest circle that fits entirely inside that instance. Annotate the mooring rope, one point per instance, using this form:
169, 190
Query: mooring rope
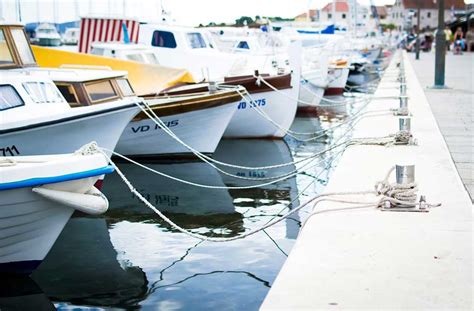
384, 190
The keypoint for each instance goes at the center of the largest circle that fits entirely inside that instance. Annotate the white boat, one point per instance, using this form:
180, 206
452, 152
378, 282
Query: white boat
338, 73
71, 36
47, 35
39, 194
277, 108
192, 49
183, 115
36, 117
198, 119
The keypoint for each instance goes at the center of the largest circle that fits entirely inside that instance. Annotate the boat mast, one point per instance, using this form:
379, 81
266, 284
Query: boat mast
18, 9
333, 12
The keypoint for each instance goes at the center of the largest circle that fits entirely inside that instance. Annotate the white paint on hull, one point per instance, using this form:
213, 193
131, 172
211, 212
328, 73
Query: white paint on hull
200, 129
248, 123
68, 136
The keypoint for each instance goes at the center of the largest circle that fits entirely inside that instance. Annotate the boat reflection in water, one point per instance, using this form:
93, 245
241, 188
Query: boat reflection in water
211, 210
258, 153
82, 268
22, 293
183, 272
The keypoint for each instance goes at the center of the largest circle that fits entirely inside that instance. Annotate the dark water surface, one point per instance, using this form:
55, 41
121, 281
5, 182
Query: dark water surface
130, 259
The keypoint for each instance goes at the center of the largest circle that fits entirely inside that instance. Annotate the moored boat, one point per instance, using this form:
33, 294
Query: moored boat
39, 194
37, 119
47, 35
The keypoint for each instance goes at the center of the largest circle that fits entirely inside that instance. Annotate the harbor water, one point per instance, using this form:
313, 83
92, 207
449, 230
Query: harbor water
130, 259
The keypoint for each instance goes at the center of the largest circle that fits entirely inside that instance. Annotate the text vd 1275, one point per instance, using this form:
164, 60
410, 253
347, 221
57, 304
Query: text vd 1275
255, 103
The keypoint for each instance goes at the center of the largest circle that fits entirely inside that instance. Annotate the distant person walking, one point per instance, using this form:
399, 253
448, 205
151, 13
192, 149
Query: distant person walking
458, 41
470, 39
448, 33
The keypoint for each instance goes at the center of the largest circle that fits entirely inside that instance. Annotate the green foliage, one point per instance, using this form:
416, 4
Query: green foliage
389, 26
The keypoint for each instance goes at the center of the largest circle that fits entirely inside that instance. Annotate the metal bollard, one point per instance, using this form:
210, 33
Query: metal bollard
212, 87
405, 174
404, 124
403, 89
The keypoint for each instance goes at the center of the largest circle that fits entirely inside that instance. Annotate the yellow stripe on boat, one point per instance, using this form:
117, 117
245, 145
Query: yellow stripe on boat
145, 78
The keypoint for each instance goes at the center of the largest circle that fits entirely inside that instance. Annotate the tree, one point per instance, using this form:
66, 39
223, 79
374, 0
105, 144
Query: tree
244, 20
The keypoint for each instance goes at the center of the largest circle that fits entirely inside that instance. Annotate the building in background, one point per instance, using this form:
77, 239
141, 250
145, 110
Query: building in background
404, 13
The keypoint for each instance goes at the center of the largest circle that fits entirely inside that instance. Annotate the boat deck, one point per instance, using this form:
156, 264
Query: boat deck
369, 259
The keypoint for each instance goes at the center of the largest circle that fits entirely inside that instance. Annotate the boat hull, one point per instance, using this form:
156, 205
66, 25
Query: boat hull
201, 129
30, 224
337, 81
49, 41
65, 136
248, 123
310, 95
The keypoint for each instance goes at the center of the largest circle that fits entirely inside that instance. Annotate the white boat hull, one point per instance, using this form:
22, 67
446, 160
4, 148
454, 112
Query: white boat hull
201, 129
337, 79
65, 136
248, 123
310, 95
30, 224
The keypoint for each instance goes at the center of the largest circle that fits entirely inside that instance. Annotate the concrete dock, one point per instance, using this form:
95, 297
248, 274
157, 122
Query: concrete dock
453, 107
371, 259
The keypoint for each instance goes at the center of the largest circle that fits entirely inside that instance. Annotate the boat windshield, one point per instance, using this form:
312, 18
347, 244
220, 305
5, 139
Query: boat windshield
9, 98
125, 87
43, 92
6, 57
196, 40
23, 46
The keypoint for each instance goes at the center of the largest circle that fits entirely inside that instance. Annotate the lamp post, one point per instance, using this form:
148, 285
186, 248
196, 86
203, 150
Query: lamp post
417, 48
440, 57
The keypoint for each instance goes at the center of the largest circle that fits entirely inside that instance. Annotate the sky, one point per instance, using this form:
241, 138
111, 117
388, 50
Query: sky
185, 12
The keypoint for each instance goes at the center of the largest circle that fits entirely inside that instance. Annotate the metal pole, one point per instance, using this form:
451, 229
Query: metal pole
440, 58
418, 33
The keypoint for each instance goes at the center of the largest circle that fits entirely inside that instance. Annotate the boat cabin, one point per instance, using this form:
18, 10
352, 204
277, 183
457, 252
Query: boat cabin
79, 85
190, 48
87, 87
133, 52
23, 96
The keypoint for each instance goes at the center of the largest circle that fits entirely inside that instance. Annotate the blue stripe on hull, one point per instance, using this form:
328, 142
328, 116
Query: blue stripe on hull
19, 267
55, 179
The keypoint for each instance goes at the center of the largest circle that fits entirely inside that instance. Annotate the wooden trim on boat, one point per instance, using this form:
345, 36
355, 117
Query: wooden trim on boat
279, 82
190, 104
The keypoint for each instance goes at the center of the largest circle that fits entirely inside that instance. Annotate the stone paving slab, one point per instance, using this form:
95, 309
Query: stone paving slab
453, 107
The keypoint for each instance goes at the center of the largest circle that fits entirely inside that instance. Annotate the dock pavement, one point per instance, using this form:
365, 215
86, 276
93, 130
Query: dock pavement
452, 107
361, 259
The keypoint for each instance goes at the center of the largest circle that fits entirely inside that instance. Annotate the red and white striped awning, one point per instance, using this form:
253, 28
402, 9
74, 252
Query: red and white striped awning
105, 30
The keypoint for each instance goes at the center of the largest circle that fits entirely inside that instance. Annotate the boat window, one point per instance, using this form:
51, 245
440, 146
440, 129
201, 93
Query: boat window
102, 90
125, 87
243, 45
9, 98
6, 57
135, 57
43, 92
164, 39
97, 51
69, 93
196, 41
23, 46
150, 58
